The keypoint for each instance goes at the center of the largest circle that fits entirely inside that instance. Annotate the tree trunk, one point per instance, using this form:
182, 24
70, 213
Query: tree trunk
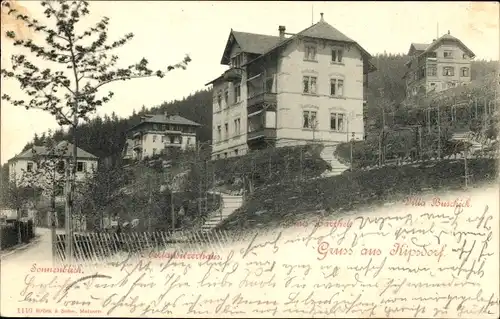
19, 237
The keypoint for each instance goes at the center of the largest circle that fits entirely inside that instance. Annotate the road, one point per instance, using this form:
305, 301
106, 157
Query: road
40, 250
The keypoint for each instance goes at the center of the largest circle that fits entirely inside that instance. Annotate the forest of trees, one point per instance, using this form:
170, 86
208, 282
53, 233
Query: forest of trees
105, 136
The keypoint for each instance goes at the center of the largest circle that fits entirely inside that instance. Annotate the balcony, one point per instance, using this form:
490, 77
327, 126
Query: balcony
233, 75
262, 98
137, 145
261, 133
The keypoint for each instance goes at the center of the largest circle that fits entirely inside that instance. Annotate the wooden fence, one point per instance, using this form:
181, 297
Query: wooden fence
109, 247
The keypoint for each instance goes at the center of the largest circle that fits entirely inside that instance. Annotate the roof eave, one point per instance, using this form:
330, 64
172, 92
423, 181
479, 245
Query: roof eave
225, 56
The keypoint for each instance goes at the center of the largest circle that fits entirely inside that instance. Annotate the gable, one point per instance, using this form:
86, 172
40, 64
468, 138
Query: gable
252, 43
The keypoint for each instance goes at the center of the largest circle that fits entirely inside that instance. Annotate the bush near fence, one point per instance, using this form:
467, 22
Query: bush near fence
267, 165
290, 202
10, 233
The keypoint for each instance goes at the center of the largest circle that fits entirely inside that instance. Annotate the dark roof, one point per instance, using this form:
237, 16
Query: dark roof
249, 43
448, 36
263, 44
65, 147
432, 46
166, 119
417, 47
323, 30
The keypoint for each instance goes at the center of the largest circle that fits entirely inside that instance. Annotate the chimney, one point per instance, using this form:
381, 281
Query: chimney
321, 14
448, 31
282, 29
166, 114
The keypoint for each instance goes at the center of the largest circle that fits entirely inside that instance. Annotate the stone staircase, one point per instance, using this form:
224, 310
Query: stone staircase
230, 203
327, 154
466, 136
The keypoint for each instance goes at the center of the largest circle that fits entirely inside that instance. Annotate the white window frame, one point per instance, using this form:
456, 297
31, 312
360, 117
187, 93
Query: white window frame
337, 55
337, 116
338, 82
29, 167
237, 93
78, 166
432, 70
310, 52
219, 101
451, 71
312, 119
462, 72
310, 80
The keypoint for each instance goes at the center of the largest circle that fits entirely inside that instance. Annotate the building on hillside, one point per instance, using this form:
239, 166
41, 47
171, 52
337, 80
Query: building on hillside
445, 63
155, 133
289, 89
28, 164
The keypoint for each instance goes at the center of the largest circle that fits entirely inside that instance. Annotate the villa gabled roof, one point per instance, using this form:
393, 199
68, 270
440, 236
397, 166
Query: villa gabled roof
417, 47
62, 149
264, 44
421, 48
166, 119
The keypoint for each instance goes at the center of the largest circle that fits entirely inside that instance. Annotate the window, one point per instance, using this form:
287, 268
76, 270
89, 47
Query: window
237, 93
172, 140
236, 61
310, 52
448, 71
464, 72
226, 97
79, 166
337, 122
448, 54
93, 167
337, 55
154, 151
236, 152
237, 127
464, 56
219, 101
226, 130
163, 138
336, 87
188, 142
432, 70
218, 156
225, 155
154, 138
29, 167
309, 119
309, 83
219, 137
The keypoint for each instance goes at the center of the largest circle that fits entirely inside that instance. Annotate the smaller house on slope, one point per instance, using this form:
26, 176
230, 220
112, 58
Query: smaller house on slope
155, 133
31, 162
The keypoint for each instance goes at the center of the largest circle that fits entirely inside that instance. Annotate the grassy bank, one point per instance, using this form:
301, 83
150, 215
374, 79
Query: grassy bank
289, 202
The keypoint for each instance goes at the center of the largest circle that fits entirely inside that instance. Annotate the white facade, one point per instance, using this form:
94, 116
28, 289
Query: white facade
308, 88
156, 133
49, 172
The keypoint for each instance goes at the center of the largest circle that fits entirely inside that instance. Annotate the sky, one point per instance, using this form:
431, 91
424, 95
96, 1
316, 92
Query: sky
166, 31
